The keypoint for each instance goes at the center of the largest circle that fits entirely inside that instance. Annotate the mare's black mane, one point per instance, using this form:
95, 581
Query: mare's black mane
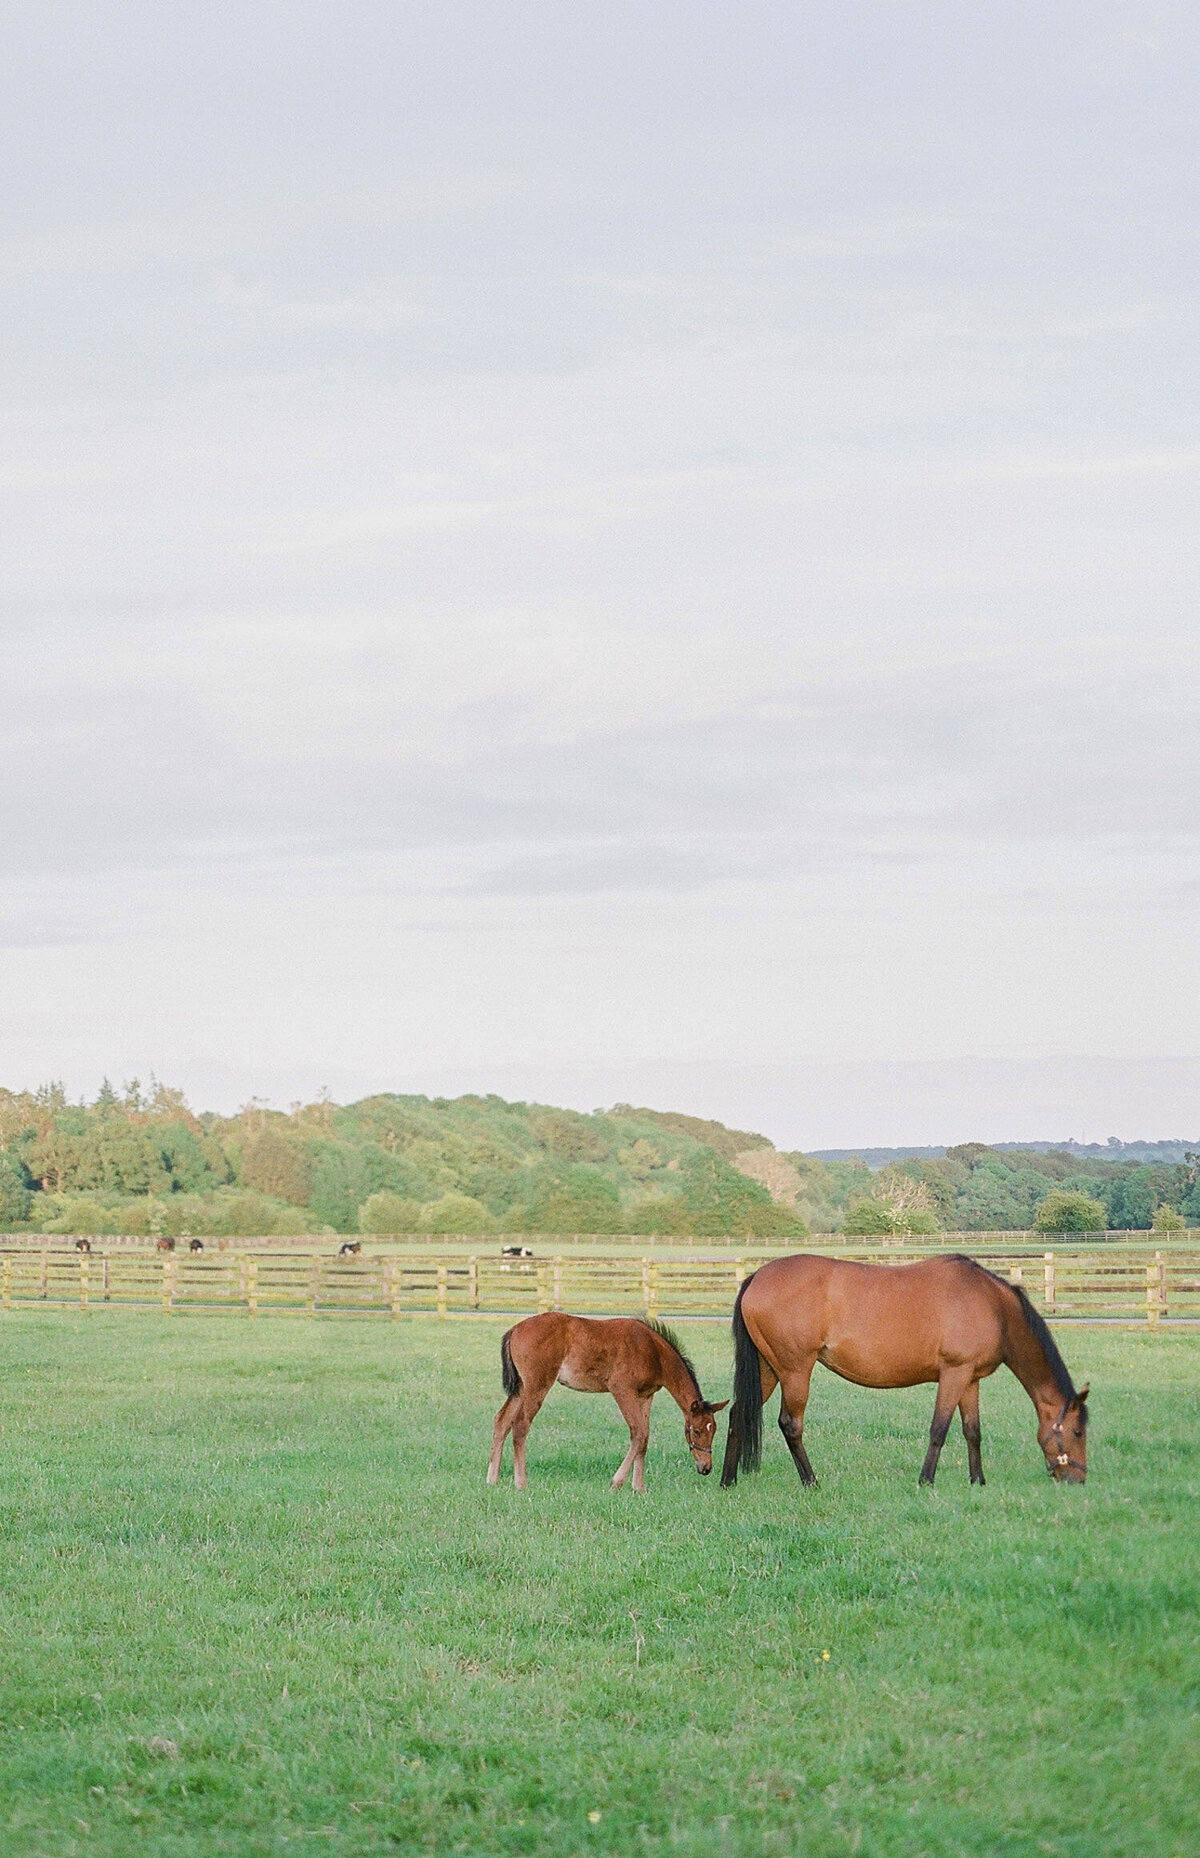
1038, 1327
672, 1340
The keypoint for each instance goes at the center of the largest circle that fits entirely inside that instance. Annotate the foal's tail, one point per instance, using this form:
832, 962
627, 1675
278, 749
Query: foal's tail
743, 1444
508, 1372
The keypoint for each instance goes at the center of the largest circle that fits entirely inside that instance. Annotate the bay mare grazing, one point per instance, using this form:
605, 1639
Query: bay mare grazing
628, 1357
943, 1319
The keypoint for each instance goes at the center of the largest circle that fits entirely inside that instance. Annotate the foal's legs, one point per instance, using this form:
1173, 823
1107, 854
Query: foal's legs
951, 1388
636, 1408
793, 1398
530, 1400
968, 1408
500, 1431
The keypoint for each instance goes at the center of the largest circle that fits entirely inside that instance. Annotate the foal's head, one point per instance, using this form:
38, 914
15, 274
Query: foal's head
1065, 1441
700, 1429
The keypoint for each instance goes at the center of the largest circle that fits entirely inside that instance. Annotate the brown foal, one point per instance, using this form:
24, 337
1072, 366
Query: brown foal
628, 1357
944, 1319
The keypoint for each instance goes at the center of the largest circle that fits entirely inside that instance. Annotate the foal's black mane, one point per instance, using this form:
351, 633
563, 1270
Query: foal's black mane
672, 1340
1037, 1326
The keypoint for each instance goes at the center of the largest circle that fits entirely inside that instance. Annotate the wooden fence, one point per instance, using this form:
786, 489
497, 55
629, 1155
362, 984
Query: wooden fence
973, 1242
1108, 1285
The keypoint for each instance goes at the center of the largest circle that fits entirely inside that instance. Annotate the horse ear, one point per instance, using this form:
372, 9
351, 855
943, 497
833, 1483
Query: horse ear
1082, 1395
718, 1406
698, 1406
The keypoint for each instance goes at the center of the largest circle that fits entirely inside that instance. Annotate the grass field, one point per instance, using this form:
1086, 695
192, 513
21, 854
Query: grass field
255, 1598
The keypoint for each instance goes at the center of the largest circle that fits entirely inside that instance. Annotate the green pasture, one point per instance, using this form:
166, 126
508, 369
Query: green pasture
256, 1598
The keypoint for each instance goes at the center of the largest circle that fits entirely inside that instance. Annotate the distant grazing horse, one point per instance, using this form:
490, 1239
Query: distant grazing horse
83, 1245
195, 1245
164, 1244
628, 1357
944, 1319
516, 1251
350, 1249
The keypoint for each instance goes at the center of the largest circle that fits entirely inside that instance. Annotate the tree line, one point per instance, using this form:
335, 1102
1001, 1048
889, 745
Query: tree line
142, 1161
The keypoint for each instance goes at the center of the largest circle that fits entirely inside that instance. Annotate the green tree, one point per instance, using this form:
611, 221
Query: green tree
15, 1198
640, 1160
455, 1212
723, 1202
1166, 1219
868, 1219
1066, 1210
196, 1162
384, 1211
660, 1216
576, 1198
382, 1171
570, 1136
274, 1163
248, 1215
334, 1197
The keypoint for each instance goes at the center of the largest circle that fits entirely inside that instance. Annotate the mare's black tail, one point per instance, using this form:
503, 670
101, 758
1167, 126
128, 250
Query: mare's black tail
508, 1373
743, 1445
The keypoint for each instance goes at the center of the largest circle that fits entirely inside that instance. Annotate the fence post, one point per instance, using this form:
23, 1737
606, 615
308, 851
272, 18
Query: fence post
168, 1287
252, 1286
652, 1289
1016, 1274
1161, 1260
45, 1272
396, 1270
83, 1281
558, 1283
314, 1287
441, 1290
105, 1290
7, 1294
1049, 1265
1155, 1297
646, 1302
543, 1292
473, 1272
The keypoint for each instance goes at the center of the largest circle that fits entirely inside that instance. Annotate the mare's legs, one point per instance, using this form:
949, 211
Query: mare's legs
952, 1386
968, 1408
500, 1431
733, 1437
636, 1408
793, 1398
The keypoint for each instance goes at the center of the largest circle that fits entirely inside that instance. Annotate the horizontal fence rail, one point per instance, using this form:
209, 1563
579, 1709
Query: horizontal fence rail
1143, 1285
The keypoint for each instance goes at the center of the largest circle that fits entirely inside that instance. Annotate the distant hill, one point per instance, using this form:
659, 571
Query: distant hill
1112, 1150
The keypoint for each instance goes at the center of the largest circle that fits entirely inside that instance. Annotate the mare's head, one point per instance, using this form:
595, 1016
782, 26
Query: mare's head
1064, 1440
700, 1429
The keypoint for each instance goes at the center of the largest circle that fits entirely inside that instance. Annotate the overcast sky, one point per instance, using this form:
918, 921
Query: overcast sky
606, 549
